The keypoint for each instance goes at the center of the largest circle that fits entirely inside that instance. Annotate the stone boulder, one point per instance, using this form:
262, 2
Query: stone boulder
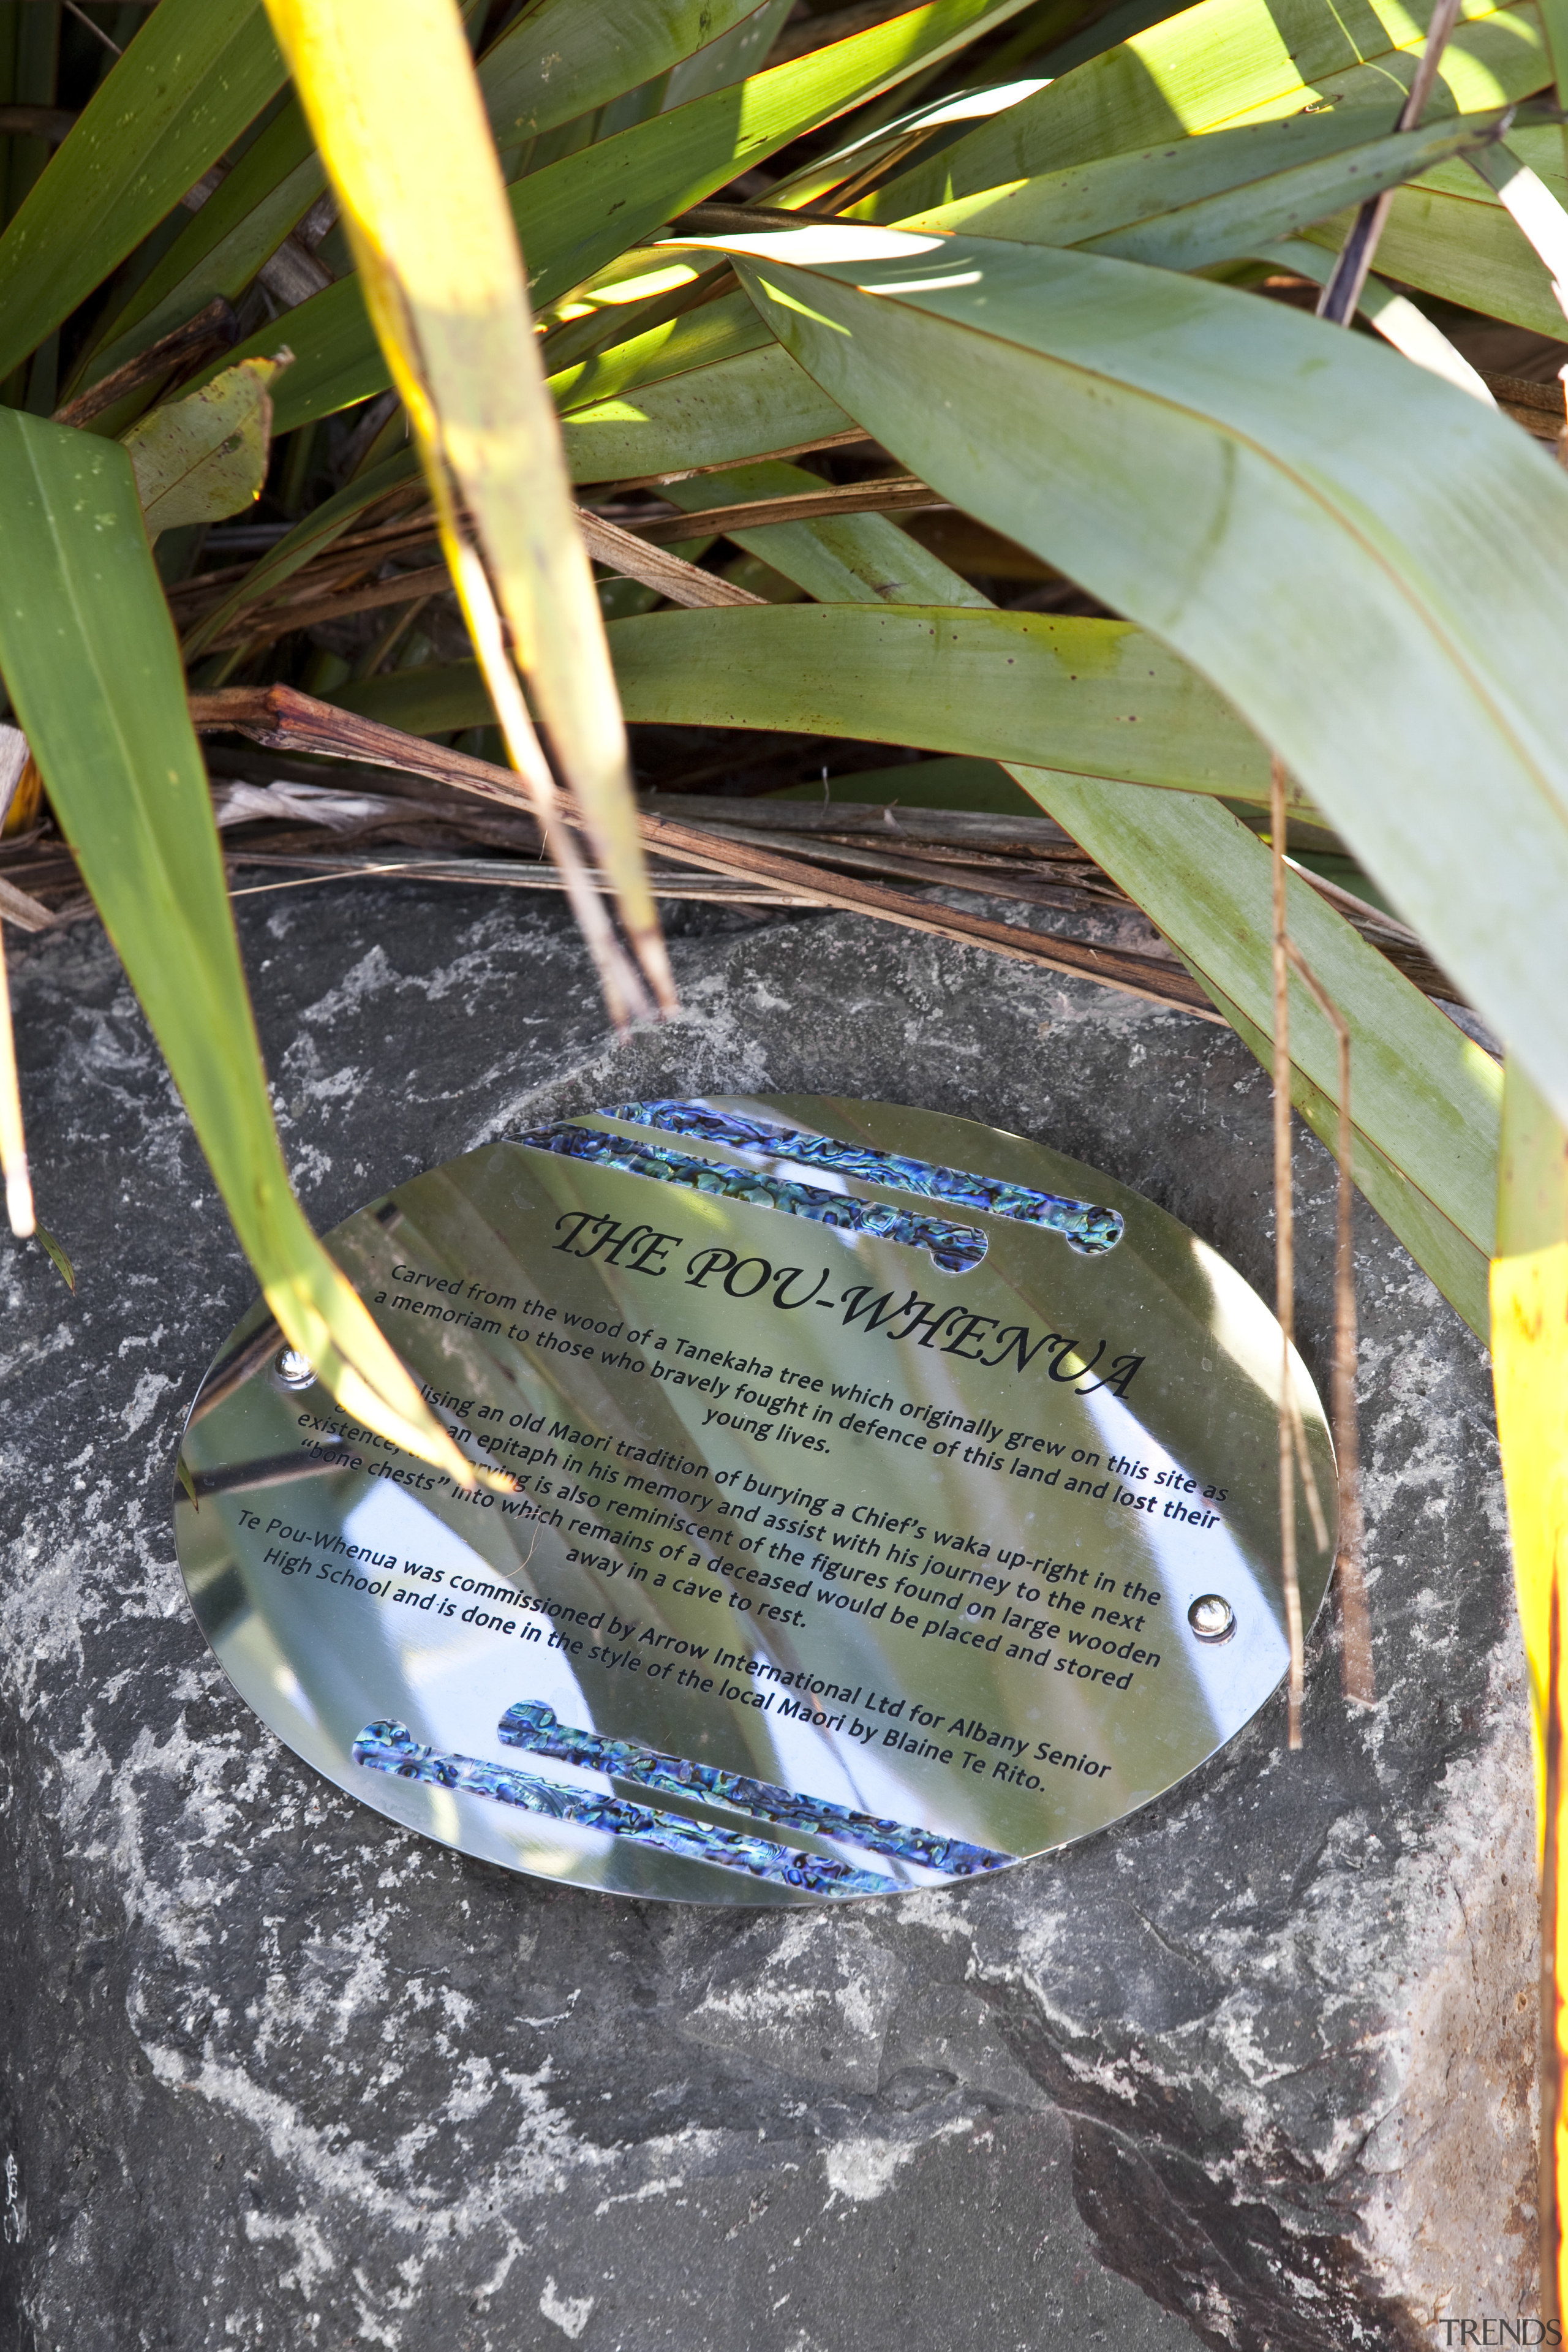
1252, 2069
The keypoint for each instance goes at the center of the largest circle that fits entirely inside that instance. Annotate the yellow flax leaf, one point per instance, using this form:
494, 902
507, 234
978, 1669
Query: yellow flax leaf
1530, 1374
389, 89
205, 456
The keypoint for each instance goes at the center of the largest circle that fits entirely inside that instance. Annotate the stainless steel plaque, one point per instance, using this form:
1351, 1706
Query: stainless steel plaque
895, 1500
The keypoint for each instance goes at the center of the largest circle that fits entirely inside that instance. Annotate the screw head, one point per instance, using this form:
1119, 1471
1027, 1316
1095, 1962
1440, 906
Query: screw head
1212, 1618
295, 1369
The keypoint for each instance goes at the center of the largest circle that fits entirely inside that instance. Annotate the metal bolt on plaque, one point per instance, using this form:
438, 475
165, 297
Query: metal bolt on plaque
883, 1500
1212, 1618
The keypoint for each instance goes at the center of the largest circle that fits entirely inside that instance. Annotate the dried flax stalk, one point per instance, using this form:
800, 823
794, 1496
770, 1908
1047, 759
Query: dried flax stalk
900, 494
625, 996
1354, 1615
339, 604
285, 720
1355, 1618
210, 331
638, 559
1284, 1255
1337, 300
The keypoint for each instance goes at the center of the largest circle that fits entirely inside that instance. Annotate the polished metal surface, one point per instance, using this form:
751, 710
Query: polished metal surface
892, 1499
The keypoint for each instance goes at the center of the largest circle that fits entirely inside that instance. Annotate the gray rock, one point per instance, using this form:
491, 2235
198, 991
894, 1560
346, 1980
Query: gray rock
1252, 2069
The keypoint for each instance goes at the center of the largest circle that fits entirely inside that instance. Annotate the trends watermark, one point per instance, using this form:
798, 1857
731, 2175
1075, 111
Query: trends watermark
1459, 2332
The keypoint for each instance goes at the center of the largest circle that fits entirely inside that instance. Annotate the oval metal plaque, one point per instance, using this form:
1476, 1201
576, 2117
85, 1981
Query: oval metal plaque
894, 1500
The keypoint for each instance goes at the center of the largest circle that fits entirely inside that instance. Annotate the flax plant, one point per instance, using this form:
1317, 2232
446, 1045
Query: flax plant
556, 319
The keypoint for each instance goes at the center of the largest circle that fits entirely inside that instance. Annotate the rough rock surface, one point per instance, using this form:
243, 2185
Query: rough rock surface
1252, 2069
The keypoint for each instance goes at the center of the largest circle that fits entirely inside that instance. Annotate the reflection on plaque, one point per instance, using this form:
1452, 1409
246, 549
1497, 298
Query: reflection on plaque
891, 1499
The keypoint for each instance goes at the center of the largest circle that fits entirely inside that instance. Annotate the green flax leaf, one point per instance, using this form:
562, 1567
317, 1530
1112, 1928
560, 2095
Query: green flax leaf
562, 57
1212, 199
56, 1257
195, 74
1230, 61
1240, 479
1425, 1099
241, 225
1104, 697
577, 215
90, 662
